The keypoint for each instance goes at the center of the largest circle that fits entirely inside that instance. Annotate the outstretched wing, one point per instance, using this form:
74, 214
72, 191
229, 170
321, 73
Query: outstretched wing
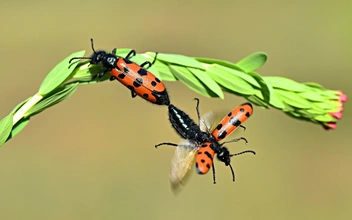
207, 122
181, 163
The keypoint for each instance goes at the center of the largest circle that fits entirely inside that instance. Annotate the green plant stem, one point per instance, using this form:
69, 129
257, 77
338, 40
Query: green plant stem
20, 113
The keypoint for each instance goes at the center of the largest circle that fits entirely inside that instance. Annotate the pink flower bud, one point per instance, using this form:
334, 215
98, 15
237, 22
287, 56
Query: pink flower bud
330, 125
343, 97
337, 115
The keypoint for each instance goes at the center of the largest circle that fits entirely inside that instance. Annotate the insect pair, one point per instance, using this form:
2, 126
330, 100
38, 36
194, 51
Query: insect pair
201, 142
135, 77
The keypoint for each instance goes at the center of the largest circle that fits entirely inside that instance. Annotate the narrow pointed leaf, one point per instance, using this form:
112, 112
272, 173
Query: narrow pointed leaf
294, 114
224, 63
208, 81
330, 95
253, 61
313, 96
59, 74
257, 101
186, 76
19, 126
245, 76
85, 73
325, 118
314, 85
305, 113
122, 52
266, 89
316, 111
322, 105
57, 96
292, 99
284, 83
5, 128
164, 71
180, 60
227, 79
274, 100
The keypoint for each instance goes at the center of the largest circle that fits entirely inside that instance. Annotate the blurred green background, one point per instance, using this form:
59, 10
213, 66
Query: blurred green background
93, 156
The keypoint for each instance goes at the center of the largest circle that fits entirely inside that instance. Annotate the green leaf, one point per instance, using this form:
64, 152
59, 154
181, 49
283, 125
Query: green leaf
256, 101
5, 128
305, 113
284, 83
314, 85
241, 74
220, 62
292, 99
208, 81
164, 71
58, 95
180, 60
322, 105
325, 118
266, 89
288, 108
226, 78
59, 74
85, 73
328, 94
274, 100
19, 126
294, 115
185, 76
122, 52
253, 61
310, 95
315, 111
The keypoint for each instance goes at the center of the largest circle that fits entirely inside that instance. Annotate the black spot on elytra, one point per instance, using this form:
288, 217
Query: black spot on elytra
222, 135
247, 114
241, 109
204, 145
127, 61
126, 69
138, 82
235, 121
121, 76
208, 155
219, 127
203, 161
198, 170
208, 165
158, 80
145, 95
153, 83
142, 72
200, 152
229, 114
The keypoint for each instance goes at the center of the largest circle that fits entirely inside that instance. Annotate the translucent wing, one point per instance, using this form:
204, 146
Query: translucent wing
207, 122
182, 163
